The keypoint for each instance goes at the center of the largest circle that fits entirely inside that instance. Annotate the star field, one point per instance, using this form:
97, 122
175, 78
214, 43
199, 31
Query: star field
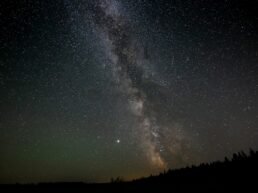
97, 89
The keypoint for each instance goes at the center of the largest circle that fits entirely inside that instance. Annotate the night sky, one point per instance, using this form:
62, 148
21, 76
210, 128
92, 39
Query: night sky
91, 90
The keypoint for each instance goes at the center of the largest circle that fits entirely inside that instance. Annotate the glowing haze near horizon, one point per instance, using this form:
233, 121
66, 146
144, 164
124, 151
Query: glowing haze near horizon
97, 89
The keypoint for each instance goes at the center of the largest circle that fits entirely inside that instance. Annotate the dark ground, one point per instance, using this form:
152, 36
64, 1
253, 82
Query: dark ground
236, 175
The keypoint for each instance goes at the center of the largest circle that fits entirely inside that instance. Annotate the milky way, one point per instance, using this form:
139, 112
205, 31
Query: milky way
127, 63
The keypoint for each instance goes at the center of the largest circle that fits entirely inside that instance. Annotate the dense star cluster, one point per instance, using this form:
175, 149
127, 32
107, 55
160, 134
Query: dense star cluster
97, 89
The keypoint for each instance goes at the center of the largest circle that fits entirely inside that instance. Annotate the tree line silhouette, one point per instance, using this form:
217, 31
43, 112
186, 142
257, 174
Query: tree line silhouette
240, 173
